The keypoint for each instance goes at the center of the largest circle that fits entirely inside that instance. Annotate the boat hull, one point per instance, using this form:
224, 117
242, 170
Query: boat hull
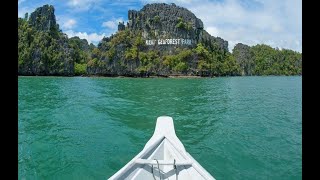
163, 157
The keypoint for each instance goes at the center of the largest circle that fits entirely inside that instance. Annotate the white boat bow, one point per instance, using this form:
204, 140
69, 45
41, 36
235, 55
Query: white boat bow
163, 157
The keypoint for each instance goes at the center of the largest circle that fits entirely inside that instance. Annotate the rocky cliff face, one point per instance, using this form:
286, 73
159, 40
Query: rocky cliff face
159, 39
43, 19
244, 57
168, 21
81, 43
42, 48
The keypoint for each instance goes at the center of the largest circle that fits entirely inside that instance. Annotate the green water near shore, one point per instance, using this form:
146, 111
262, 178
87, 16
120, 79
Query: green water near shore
88, 128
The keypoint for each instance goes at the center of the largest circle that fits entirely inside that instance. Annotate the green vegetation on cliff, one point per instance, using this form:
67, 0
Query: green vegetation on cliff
44, 50
264, 60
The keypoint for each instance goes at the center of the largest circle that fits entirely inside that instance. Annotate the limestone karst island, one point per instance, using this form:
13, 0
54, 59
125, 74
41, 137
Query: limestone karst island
158, 40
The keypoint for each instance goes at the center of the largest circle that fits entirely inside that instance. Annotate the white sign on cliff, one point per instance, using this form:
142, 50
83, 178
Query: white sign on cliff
168, 41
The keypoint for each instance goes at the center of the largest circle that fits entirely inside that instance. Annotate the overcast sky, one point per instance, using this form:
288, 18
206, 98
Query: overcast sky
272, 22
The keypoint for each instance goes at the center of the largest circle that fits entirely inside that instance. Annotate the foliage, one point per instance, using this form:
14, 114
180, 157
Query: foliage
80, 69
180, 67
156, 19
181, 24
270, 61
44, 50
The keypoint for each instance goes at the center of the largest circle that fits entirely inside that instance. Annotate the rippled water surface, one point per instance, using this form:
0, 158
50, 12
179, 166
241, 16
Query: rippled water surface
88, 128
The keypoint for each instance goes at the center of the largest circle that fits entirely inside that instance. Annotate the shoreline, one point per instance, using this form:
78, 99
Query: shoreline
157, 77
135, 77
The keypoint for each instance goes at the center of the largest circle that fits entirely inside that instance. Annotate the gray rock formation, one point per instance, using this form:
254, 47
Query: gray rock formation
244, 57
43, 18
165, 29
45, 51
168, 21
121, 26
82, 43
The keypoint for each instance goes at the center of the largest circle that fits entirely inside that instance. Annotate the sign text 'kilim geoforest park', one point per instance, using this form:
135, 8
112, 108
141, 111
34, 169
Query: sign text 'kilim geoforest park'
169, 41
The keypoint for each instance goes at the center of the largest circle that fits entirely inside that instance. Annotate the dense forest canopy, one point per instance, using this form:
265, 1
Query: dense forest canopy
43, 49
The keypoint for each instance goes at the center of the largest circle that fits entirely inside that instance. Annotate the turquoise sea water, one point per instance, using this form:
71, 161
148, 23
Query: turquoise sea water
88, 128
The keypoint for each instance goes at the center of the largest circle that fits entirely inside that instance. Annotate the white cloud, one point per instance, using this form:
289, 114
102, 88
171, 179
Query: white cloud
20, 1
82, 5
74, 2
91, 38
272, 22
23, 10
109, 24
112, 24
166, 1
213, 31
69, 24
